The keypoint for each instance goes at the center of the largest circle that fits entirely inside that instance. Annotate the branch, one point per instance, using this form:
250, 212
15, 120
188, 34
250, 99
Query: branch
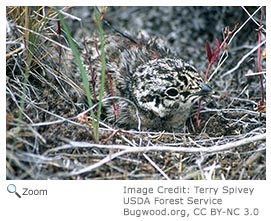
132, 149
243, 59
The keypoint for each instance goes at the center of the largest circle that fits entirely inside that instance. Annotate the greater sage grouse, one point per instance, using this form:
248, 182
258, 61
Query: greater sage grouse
150, 86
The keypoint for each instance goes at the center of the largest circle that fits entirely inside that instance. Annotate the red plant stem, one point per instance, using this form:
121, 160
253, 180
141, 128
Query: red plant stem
259, 69
110, 84
228, 34
199, 106
211, 62
59, 48
207, 71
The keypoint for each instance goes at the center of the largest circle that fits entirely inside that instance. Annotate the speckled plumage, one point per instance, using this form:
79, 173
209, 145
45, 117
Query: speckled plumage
161, 86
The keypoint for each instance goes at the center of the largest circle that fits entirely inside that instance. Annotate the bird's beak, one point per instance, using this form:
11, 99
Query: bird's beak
205, 90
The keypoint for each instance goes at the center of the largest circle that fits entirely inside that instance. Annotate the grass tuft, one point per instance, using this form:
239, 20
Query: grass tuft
95, 119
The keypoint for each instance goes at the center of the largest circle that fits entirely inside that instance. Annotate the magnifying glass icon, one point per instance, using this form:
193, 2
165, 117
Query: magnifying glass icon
12, 189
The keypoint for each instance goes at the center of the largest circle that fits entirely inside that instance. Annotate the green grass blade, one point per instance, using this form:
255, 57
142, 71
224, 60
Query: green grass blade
83, 75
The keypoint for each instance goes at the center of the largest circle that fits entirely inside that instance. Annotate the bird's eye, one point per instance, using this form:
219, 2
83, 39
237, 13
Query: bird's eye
172, 92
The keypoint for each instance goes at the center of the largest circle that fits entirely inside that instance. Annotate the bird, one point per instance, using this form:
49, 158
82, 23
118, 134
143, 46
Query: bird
147, 85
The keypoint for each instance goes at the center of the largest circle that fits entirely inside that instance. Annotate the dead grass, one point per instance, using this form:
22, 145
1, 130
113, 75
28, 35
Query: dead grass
49, 133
